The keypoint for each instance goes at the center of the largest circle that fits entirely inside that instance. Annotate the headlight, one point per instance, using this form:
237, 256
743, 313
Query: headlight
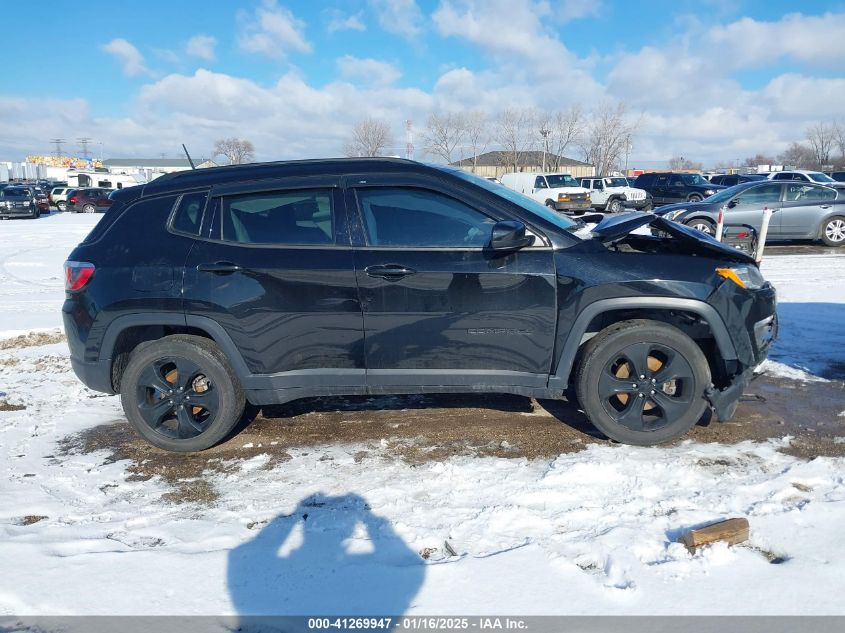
709, 192
562, 198
748, 277
673, 215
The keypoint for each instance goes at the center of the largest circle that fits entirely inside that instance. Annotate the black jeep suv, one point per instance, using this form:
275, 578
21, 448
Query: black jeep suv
207, 289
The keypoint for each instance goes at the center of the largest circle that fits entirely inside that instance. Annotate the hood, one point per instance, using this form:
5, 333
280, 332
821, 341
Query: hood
576, 189
619, 225
678, 206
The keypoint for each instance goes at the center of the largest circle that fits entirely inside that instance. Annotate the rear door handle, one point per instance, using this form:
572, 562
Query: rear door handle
389, 271
219, 268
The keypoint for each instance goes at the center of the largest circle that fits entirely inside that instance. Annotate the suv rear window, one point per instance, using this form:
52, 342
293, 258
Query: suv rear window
188, 214
294, 217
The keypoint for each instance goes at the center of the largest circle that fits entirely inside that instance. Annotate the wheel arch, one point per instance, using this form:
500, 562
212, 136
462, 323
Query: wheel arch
126, 333
672, 310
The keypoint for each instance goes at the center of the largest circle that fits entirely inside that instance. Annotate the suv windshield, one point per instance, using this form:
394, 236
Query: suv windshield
616, 182
561, 180
10, 192
694, 179
817, 176
529, 204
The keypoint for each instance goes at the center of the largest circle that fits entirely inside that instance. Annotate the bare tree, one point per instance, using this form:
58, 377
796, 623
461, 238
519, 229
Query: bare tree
236, 150
797, 155
679, 163
821, 137
607, 134
513, 132
444, 132
567, 129
759, 159
839, 137
477, 134
370, 137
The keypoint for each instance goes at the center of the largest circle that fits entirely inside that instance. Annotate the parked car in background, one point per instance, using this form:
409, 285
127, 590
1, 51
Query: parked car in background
729, 180
265, 283
804, 175
669, 187
58, 197
801, 210
612, 194
838, 176
557, 191
18, 202
89, 200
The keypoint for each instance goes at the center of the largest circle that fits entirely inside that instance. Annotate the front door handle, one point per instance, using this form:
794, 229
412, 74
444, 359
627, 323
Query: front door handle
826, 206
219, 268
391, 272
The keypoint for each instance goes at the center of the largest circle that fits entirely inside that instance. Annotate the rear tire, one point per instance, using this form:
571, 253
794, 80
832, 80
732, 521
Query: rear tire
181, 394
833, 231
89, 208
694, 197
642, 382
61, 206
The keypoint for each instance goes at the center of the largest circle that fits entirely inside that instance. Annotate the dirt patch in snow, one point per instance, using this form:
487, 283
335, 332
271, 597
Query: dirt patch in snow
6, 406
419, 429
34, 339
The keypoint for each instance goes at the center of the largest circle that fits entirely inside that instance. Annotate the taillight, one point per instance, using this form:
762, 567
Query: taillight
72, 199
77, 274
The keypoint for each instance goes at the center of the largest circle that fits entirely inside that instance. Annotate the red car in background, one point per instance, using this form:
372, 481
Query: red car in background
89, 200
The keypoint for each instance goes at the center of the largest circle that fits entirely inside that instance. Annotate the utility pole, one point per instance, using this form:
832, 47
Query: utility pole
409, 140
544, 132
84, 143
58, 143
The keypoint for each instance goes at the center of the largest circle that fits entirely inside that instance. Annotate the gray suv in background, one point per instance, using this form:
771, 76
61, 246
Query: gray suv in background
802, 210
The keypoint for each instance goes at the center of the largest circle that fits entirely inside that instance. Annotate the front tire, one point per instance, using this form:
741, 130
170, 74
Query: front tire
181, 394
642, 382
614, 206
833, 231
702, 224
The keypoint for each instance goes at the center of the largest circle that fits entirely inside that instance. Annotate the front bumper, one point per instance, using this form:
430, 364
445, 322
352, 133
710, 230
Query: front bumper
636, 204
574, 205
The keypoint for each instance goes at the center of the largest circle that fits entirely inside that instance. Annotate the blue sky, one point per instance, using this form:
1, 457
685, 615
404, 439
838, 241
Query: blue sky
708, 79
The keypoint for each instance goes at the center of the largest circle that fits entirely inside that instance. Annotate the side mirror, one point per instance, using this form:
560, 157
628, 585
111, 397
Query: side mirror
733, 203
509, 235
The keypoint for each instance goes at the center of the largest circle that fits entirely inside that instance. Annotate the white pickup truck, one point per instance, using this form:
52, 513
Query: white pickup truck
557, 191
613, 193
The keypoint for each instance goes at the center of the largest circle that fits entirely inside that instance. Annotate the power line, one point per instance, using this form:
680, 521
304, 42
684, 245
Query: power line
58, 143
84, 147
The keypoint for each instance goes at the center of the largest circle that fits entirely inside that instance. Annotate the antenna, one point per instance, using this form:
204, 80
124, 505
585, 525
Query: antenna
58, 143
409, 135
189, 156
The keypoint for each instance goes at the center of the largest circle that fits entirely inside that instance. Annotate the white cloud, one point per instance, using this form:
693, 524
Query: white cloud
202, 47
272, 31
401, 17
809, 39
338, 21
369, 71
130, 58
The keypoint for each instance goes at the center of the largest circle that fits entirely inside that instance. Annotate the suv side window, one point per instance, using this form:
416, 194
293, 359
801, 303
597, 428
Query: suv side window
421, 218
782, 177
644, 180
598, 184
188, 214
294, 217
540, 183
661, 181
676, 181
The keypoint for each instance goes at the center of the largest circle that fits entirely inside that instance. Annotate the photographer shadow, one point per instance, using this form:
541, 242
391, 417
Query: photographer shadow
331, 557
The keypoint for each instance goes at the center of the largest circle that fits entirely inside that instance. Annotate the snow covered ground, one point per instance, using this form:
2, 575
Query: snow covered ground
591, 532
